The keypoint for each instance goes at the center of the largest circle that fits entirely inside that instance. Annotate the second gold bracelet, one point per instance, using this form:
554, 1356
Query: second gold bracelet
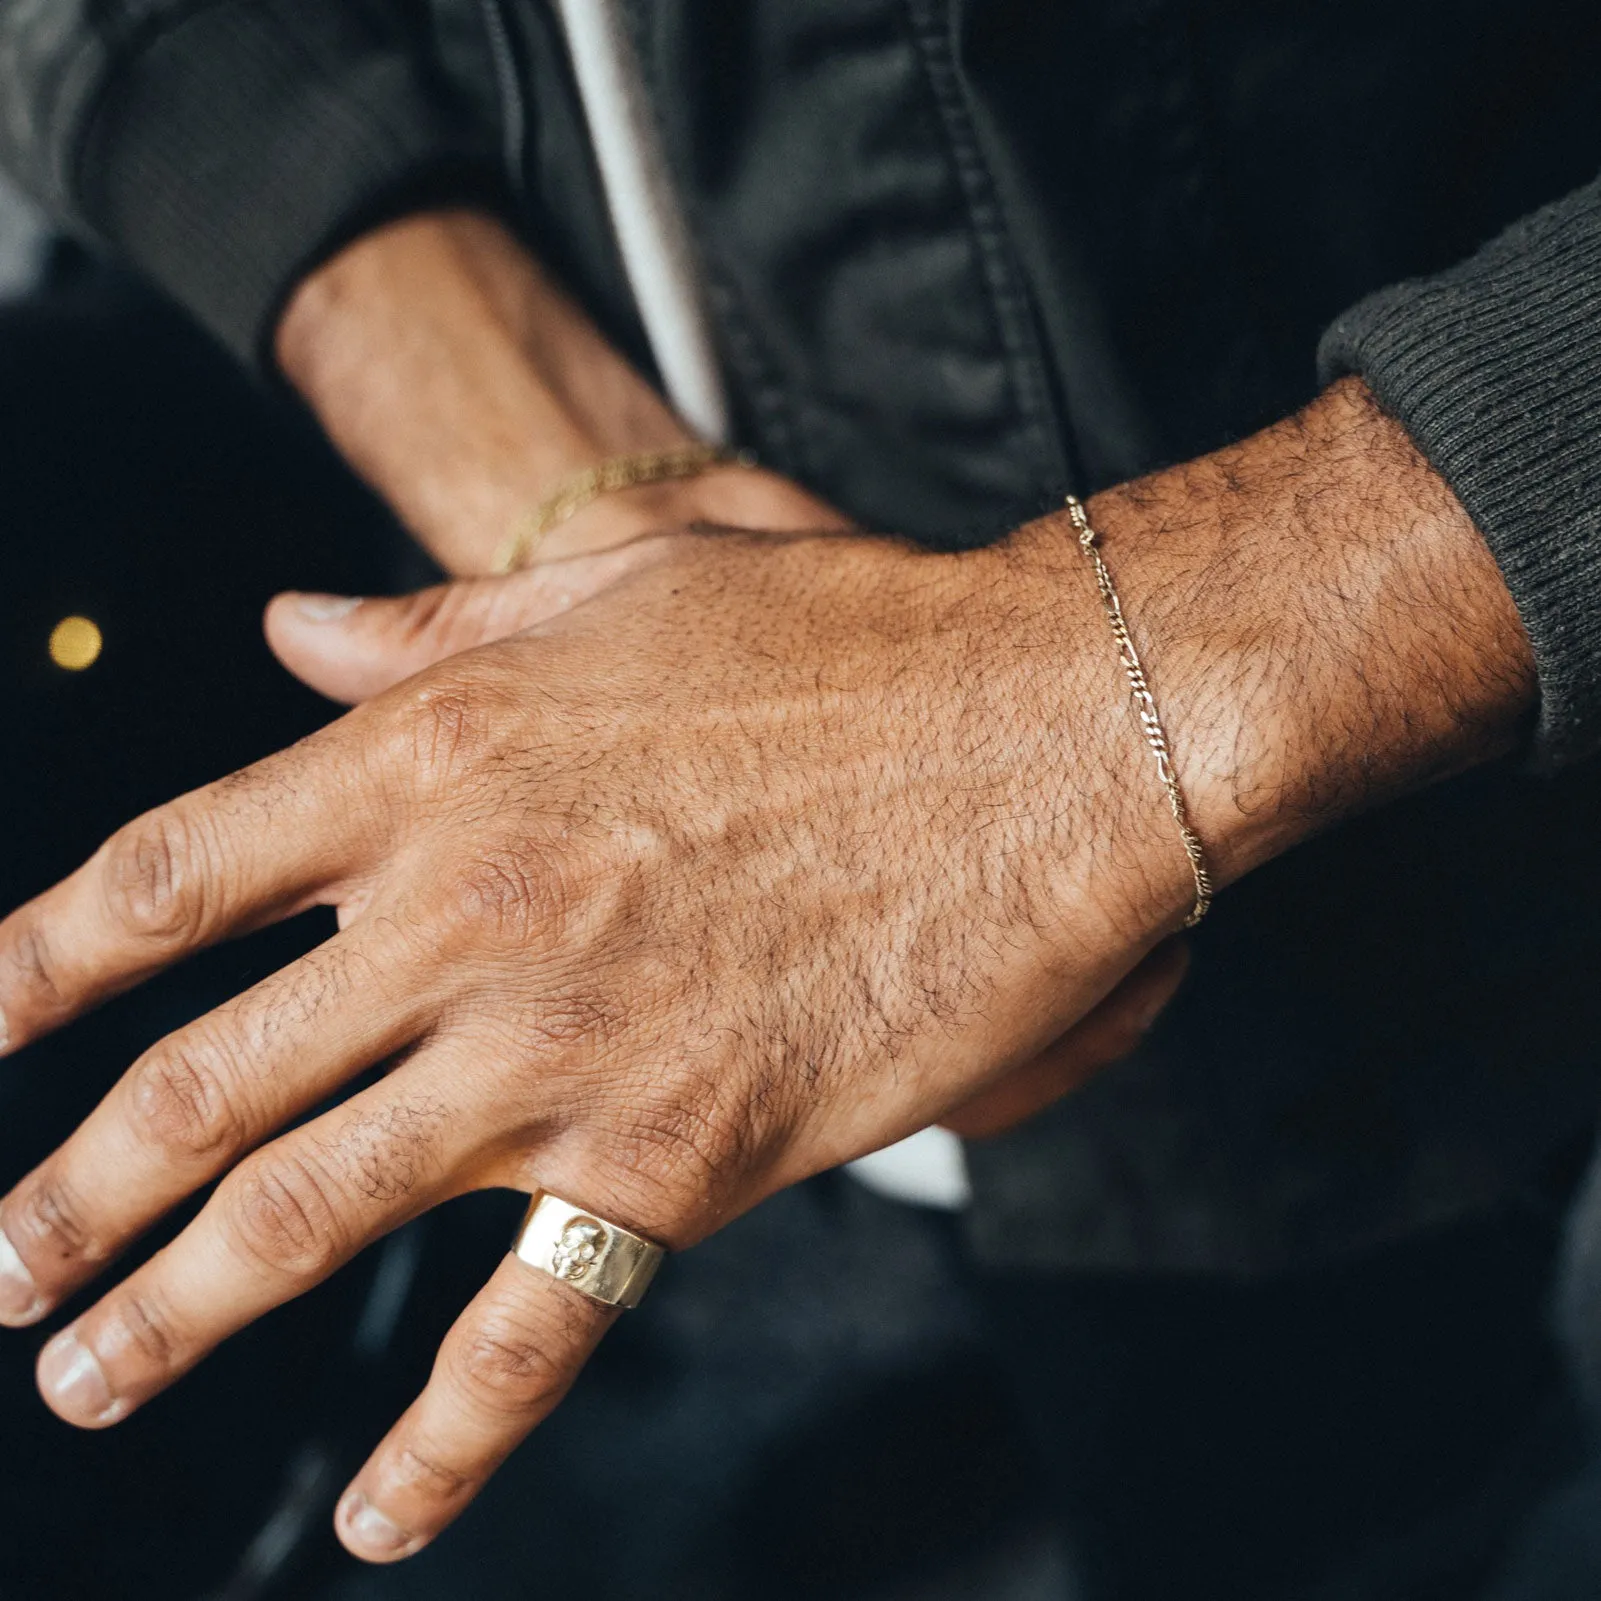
577, 490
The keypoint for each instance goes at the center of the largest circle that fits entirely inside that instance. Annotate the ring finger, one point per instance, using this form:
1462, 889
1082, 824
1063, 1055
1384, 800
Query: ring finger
504, 1366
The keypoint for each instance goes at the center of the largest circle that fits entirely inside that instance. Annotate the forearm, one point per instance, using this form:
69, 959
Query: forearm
459, 380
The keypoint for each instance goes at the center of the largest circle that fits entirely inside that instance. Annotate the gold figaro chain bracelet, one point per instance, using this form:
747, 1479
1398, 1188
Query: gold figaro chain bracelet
1145, 706
577, 490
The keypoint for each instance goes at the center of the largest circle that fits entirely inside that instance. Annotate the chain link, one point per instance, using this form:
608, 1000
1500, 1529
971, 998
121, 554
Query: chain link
1145, 707
573, 493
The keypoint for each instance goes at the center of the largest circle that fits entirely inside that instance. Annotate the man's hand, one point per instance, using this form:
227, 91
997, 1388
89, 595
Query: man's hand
351, 649
767, 855
463, 383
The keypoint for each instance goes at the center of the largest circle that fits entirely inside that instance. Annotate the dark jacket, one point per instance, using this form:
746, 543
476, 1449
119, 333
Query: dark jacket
962, 255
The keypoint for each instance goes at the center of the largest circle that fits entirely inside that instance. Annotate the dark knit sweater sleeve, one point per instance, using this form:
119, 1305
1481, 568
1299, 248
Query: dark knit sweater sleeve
1494, 368
225, 147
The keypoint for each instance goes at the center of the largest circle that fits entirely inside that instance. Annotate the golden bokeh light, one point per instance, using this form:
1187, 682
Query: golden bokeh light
75, 643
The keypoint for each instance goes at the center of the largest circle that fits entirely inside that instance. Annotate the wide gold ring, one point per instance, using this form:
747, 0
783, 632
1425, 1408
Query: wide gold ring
607, 1263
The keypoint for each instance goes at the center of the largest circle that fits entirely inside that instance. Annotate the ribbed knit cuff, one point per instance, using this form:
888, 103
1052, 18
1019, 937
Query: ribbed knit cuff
1494, 368
240, 144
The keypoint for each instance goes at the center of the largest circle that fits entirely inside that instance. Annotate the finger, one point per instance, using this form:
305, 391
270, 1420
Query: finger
257, 846
196, 1102
508, 1361
279, 1224
350, 649
1108, 1034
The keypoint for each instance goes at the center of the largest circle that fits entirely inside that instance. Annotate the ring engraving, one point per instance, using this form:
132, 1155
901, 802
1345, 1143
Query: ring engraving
602, 1260
576, 1248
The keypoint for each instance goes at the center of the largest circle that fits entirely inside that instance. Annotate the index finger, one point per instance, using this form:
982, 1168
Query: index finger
257, 846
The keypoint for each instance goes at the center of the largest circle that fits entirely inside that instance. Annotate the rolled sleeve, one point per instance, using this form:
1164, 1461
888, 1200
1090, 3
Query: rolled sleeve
224, 149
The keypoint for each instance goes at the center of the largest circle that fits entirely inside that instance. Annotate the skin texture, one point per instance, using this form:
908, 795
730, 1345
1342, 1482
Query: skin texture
672, 874
464, 385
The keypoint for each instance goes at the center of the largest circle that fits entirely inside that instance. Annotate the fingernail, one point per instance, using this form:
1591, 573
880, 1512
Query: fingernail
71, 1375
370, 1528
5, 1034
20, 1300
326, 608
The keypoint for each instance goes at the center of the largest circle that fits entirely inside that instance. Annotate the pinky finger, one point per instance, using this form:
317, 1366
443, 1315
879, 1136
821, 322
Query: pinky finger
507, 1363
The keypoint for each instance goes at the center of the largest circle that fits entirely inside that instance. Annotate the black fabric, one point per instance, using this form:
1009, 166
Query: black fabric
1375, 1432
226, 147
875, 323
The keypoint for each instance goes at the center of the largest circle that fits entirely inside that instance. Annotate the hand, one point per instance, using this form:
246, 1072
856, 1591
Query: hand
710, 883
351, 649
768, 855
463, 384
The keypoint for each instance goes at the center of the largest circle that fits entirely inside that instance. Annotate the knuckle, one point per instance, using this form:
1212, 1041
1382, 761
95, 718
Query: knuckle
448, 729
154, 878
574, 1019
503, 898
180, 1102
505, 1368
283, 1214
33, 964
423, 1470
145, 1325
540, 892
675, 1150
52, 1219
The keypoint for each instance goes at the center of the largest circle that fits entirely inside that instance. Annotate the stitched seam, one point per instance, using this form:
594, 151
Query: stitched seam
1009, 302
761, 391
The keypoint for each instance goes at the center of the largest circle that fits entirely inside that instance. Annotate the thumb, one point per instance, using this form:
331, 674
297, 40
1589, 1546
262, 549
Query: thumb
351, 648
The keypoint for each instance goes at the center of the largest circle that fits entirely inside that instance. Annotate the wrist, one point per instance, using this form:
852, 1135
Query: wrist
1322, 626
459, 380
1326, 627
